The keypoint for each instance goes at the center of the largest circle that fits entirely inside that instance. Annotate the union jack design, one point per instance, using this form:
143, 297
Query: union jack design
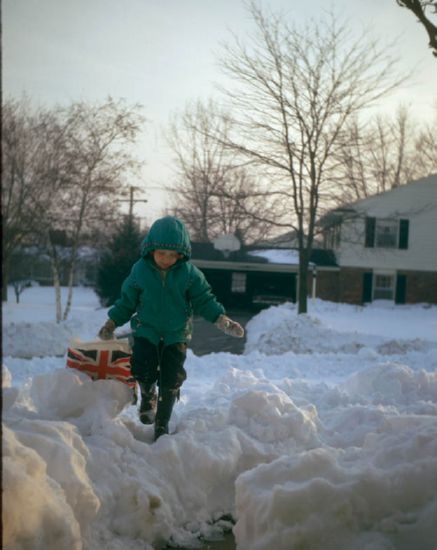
102, 364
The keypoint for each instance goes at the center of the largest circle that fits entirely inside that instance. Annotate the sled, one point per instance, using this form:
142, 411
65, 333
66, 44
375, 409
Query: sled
102, 360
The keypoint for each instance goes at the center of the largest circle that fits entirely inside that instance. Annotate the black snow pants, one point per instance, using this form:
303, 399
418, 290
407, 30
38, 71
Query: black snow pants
159, 364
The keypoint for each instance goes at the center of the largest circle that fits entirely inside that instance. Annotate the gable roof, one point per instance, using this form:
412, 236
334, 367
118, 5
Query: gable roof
415, 195
418, 193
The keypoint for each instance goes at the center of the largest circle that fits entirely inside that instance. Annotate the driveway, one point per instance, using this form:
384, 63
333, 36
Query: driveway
207, 338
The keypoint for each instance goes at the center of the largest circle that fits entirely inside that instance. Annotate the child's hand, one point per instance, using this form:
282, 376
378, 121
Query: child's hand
228, 326
107, 331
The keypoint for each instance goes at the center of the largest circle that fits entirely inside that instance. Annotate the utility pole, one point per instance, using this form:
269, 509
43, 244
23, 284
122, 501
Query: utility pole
132, 201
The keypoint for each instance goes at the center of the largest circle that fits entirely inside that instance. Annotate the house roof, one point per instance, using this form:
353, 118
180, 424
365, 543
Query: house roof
284, 240
256, 258
206, 251
415, 194
323, 258
277, 256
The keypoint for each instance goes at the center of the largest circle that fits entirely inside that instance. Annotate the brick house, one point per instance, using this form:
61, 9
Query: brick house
385, 246
257, 276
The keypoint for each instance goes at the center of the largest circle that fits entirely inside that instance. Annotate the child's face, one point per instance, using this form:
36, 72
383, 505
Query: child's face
164, 259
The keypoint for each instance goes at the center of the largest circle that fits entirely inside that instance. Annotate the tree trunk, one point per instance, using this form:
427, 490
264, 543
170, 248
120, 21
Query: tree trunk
302, 298
57, 286
75, 244
5, 281
56, 279
70, 289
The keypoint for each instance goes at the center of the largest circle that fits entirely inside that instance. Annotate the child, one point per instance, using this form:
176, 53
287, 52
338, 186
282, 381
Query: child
159, 296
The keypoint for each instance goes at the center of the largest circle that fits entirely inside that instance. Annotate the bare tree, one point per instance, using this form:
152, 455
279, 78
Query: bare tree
426, 146
19, 287
295, 90
98, 160
381, 154
62, 171
201, 167
213, 194
419, 8
33, 170
236, 206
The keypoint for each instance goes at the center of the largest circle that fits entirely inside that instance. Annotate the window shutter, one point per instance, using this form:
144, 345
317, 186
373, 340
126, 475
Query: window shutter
401, 289
367, 287
404, 226
370, 232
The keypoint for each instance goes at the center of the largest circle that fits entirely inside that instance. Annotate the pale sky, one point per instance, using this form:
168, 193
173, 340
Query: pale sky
163, 53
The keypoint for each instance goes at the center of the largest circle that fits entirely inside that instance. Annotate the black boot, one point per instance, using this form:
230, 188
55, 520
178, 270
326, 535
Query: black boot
147, 409
134, 395
166, 401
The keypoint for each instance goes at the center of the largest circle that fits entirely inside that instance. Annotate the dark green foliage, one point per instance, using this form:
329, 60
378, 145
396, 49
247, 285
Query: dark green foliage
115, 265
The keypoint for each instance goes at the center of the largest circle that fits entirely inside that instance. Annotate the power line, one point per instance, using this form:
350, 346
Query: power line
132, 201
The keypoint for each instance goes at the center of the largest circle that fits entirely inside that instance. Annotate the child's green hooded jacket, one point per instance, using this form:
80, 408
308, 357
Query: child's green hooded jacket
161, 304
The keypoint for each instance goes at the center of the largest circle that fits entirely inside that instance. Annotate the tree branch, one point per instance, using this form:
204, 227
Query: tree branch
418, 7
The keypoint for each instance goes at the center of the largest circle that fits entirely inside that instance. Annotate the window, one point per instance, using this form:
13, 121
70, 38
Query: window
238, 282
386, 233
383, 287
332, 236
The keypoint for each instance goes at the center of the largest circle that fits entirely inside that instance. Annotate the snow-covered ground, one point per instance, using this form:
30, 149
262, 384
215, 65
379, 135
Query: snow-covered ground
323, 435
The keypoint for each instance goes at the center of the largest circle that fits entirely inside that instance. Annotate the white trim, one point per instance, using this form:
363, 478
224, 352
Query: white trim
395, 221
378, 271
238, 282
384, 273
242, 266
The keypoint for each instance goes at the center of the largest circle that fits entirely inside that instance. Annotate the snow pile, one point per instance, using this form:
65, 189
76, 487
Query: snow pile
102, 479
279, 329
330, 443
30, 329
270, 417
285, 331
71, 458
36, 507
19, 339
334, 500
392, 384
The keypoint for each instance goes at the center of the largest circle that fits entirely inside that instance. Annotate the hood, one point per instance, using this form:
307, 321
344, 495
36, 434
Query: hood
167, 233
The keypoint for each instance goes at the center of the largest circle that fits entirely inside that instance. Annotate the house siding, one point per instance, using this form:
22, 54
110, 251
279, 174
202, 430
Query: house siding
421, 287
351, 285
328, 285
415, 202
261, 287
387, 248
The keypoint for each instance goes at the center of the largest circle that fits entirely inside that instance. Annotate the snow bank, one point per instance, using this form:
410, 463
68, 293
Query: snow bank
372, 484
324, 440
104, 484
331, 500
392, 384
279, 329
51, 339
36, 513
29, 328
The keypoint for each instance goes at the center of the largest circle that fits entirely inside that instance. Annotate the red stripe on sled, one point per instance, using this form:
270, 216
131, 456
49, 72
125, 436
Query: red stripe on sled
102, 367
